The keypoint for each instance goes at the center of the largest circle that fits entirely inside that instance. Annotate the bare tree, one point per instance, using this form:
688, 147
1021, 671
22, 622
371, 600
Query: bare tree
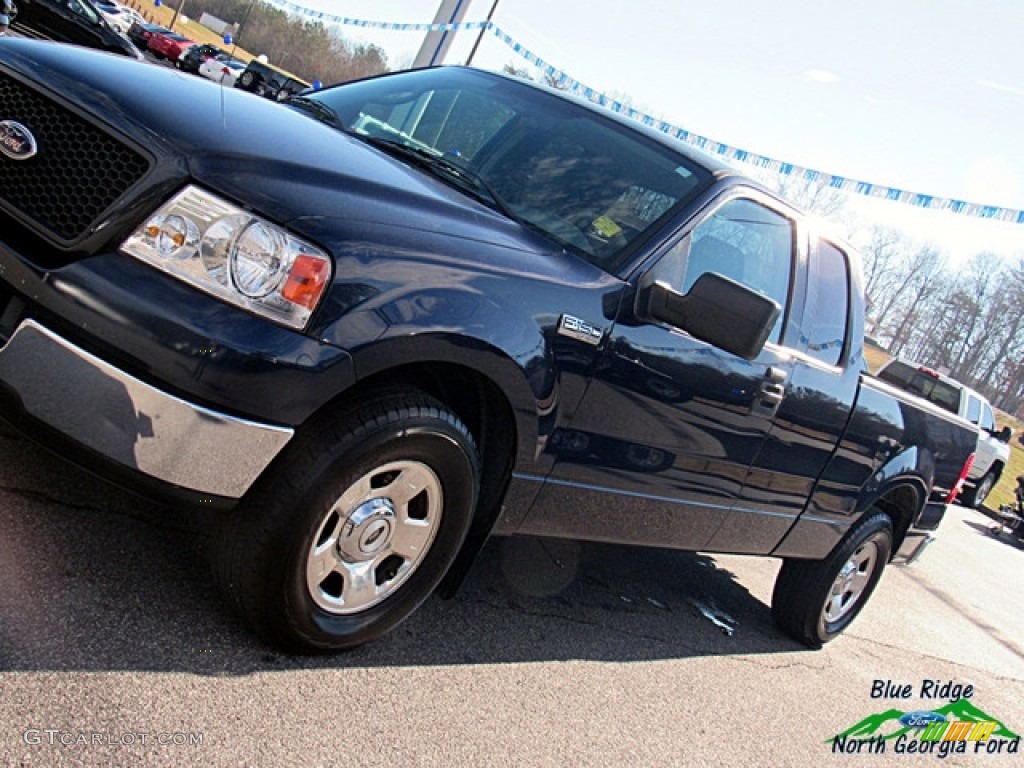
1003, 331
881, 253
903, 273
512, 69
816, 196
303, 46
924, 280
977, 286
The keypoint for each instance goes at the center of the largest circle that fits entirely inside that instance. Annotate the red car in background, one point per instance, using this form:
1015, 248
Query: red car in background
140, 34
168, 45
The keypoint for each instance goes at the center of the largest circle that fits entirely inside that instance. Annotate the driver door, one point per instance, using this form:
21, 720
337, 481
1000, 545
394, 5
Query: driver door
660, 447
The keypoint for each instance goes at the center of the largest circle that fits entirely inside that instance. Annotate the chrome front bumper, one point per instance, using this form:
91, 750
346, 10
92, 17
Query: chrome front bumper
132, 423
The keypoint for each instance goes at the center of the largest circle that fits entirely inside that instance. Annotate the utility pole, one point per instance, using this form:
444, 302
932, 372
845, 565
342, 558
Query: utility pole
177, 10
436, 43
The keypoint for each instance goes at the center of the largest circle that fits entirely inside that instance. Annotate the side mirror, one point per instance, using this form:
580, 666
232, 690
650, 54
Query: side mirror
1004, 435
717, 310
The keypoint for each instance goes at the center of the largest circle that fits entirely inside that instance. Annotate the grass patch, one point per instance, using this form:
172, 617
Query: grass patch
876, 357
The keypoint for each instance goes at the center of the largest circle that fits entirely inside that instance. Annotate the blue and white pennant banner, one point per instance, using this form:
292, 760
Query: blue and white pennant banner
710, 146
330, 18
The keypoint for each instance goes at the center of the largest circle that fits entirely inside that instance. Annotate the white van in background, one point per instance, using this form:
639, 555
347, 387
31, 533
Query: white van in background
993, 444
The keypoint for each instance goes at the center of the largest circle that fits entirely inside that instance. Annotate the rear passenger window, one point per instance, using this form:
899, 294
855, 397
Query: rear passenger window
988, 419
823, 326
973, 410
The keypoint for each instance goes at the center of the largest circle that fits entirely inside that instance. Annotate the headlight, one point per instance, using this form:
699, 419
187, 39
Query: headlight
238, 257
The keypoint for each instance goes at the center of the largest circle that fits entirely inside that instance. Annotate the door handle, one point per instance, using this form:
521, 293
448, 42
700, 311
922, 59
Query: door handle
771, 395
772, 390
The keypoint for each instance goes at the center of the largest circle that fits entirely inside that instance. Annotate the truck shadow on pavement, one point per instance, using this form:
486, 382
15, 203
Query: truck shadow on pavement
94, 578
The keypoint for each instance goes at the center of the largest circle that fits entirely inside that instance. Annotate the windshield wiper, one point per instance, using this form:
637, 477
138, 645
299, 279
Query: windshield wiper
317, 109
466, 178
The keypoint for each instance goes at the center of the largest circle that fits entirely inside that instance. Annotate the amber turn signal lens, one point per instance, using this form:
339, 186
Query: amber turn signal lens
306, 280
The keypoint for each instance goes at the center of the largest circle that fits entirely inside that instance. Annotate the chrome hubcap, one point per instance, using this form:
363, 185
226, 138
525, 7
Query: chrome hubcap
374, 537
851, 582
367, 531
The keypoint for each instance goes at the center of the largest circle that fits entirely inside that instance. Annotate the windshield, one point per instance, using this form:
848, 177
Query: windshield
583, 180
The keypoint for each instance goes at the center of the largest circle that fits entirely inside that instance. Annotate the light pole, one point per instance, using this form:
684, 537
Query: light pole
437, 42
483, 29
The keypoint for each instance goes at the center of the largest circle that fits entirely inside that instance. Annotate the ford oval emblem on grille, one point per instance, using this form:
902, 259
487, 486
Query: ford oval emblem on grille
16, 141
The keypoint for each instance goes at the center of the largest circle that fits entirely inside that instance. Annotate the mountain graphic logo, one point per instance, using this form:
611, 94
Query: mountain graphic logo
886, 725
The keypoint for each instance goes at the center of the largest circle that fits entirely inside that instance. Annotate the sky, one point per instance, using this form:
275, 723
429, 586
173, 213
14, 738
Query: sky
924, 95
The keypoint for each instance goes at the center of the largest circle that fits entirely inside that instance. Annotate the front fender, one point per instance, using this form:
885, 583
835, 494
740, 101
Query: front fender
487, 308
532, 397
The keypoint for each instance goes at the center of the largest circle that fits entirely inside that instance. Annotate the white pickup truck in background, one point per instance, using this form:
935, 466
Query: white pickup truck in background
993, 444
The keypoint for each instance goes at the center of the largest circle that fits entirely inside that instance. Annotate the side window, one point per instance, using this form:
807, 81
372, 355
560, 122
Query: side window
823, 326
988, 419
744, 241
973, 409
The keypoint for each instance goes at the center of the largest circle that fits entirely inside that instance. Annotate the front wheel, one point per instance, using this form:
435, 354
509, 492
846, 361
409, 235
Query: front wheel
354, 527
815, 600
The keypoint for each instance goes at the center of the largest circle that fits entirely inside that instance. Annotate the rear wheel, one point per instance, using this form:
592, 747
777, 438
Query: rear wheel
815, 600
975, 497
354, 527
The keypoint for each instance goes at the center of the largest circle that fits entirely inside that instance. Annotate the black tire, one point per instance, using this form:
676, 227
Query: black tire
974, 495
815, 600
353, 527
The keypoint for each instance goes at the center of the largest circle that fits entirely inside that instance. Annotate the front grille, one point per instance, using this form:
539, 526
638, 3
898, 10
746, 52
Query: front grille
77, 173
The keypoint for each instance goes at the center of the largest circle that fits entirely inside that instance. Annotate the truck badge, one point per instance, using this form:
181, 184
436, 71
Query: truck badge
577, 329
16, 141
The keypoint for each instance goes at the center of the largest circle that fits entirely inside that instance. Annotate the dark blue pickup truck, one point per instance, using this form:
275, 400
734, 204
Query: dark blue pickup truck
376, 325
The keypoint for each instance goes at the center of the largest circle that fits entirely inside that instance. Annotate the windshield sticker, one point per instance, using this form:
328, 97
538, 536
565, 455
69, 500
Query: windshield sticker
605, 227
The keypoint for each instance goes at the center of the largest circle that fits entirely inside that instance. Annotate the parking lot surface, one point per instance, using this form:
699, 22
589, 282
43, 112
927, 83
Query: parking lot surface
115, 650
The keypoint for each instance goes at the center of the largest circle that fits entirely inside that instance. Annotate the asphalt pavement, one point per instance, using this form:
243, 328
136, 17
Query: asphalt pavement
116, 650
